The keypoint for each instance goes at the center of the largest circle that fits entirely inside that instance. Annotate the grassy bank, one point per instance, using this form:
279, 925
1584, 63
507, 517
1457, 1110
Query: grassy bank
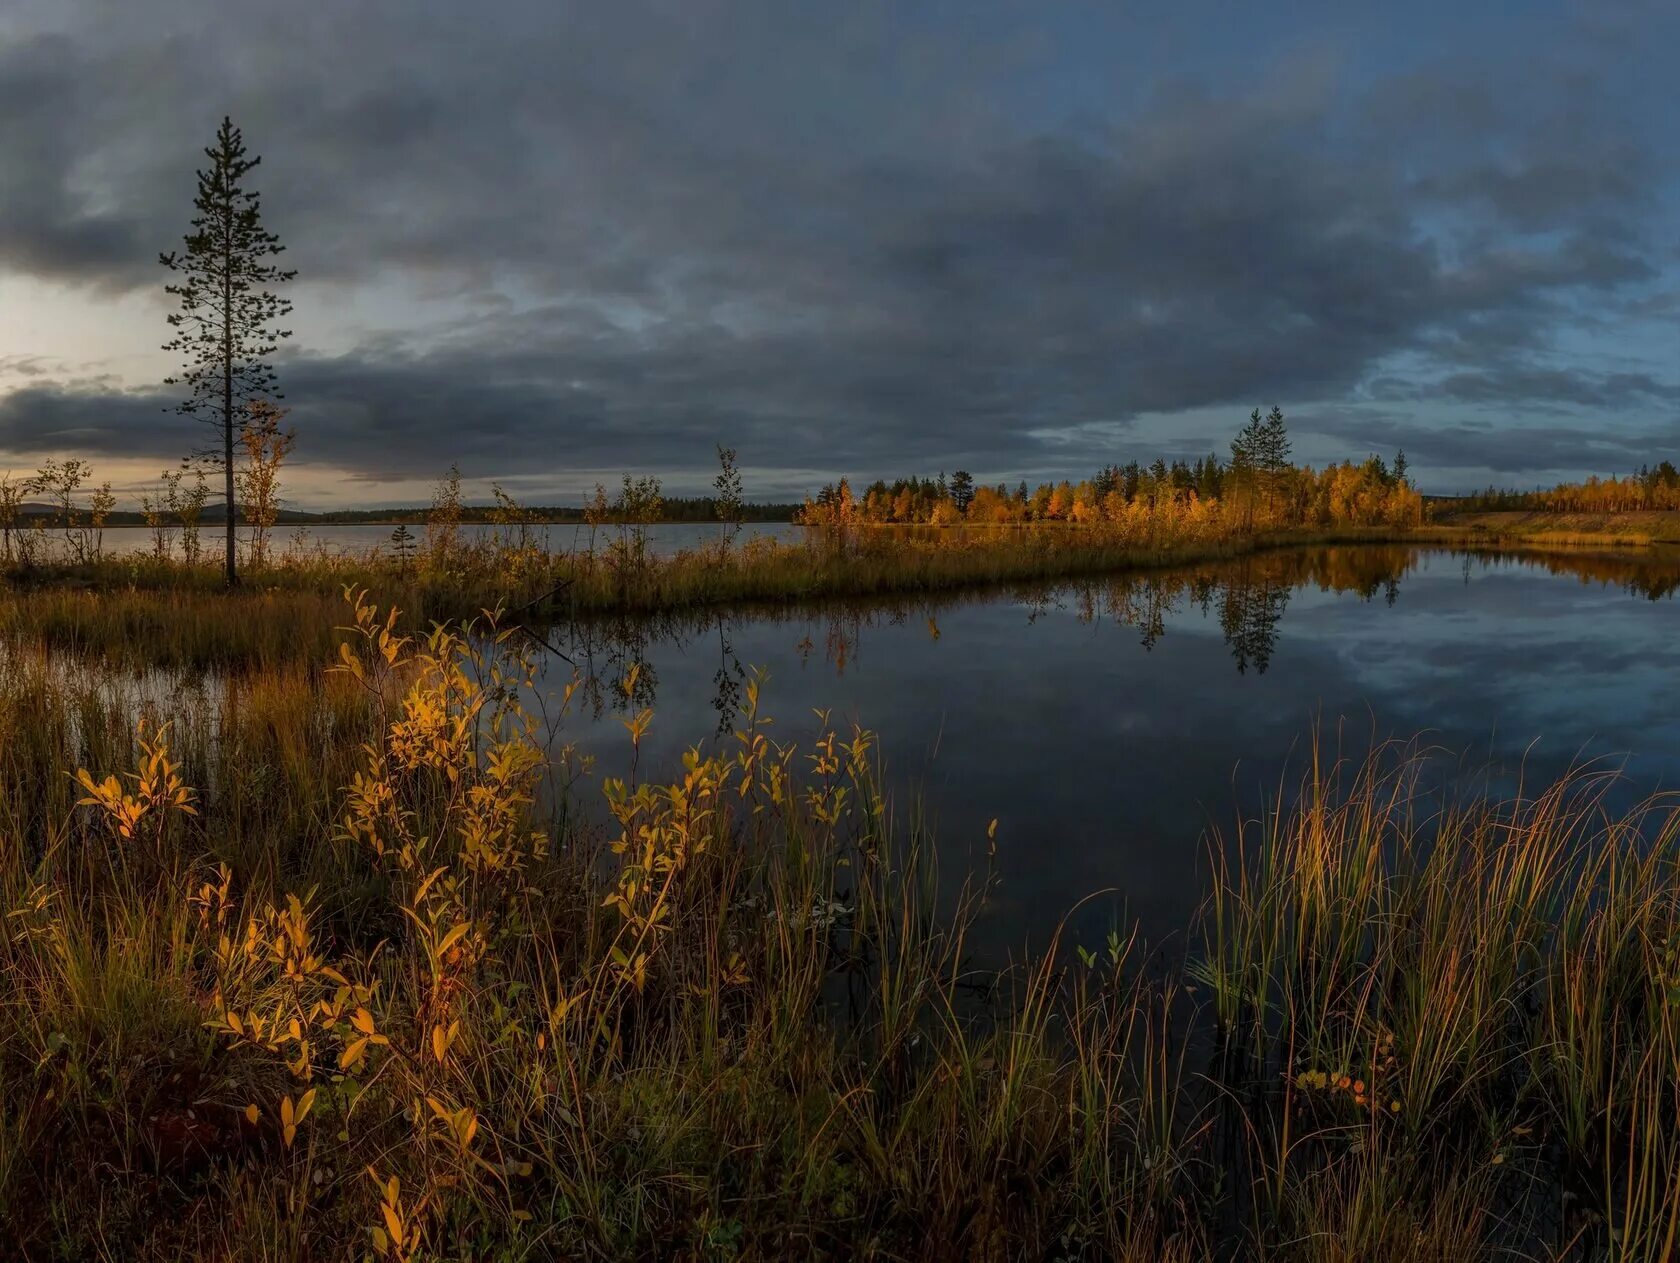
1634, 529
374, 987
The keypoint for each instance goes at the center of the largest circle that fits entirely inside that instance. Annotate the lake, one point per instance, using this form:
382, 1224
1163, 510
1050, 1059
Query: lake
1104, 725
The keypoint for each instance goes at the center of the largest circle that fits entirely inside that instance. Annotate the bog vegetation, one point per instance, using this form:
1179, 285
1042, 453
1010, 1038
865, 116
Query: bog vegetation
365, 962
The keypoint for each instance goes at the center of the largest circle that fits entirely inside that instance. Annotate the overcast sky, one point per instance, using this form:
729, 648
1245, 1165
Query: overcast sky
555, 242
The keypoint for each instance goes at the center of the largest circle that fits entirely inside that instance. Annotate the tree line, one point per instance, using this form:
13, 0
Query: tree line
1653, 487
1255, 487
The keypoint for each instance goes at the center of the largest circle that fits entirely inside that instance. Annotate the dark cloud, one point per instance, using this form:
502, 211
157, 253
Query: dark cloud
1509, 451
865, 242
1551, 388
25, 365
39, 419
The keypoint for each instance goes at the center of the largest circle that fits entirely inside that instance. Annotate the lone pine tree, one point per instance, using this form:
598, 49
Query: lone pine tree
226, 325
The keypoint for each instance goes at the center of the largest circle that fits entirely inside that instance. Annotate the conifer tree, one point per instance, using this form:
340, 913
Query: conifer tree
1260, 454
1274, 443
1245, 448
962, 490
226, 326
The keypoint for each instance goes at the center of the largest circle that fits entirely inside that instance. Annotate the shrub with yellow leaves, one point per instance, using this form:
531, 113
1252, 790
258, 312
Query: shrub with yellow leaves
158, 795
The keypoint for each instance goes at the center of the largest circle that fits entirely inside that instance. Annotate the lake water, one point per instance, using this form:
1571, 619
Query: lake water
1104, 725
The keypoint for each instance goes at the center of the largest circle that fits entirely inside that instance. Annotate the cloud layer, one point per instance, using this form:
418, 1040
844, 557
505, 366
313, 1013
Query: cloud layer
543, 239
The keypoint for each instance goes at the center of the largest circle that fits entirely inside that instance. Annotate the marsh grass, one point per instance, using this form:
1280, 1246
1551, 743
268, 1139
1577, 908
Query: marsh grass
1485, 980
1616, 528
333, 969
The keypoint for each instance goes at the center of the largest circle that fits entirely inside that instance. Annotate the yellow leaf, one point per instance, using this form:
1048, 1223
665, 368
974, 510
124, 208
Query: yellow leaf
450, 939
352, 1054
393, 1223
363, 1021
252, 1113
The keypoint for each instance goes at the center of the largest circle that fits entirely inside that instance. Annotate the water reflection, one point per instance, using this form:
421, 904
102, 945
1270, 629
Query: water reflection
1249, 597
1105, 723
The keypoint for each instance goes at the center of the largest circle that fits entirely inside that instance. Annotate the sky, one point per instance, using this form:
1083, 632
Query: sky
560, 242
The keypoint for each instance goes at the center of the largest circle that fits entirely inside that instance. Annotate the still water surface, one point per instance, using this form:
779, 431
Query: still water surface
1105, 725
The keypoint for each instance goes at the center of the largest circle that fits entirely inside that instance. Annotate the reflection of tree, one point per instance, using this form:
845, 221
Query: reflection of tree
726, 693
605, 650
841, 638
1202, 589
1251, 593
1654, 576
1654, 587
1144, 605
1249, 611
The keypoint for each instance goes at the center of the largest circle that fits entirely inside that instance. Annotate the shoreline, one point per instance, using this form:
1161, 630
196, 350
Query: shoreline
873, 561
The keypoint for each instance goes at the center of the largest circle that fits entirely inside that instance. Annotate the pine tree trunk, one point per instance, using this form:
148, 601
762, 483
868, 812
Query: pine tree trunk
227, 400
227, 464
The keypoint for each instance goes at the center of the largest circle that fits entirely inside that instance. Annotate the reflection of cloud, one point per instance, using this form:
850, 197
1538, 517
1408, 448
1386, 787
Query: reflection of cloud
644, 230
1531, 654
